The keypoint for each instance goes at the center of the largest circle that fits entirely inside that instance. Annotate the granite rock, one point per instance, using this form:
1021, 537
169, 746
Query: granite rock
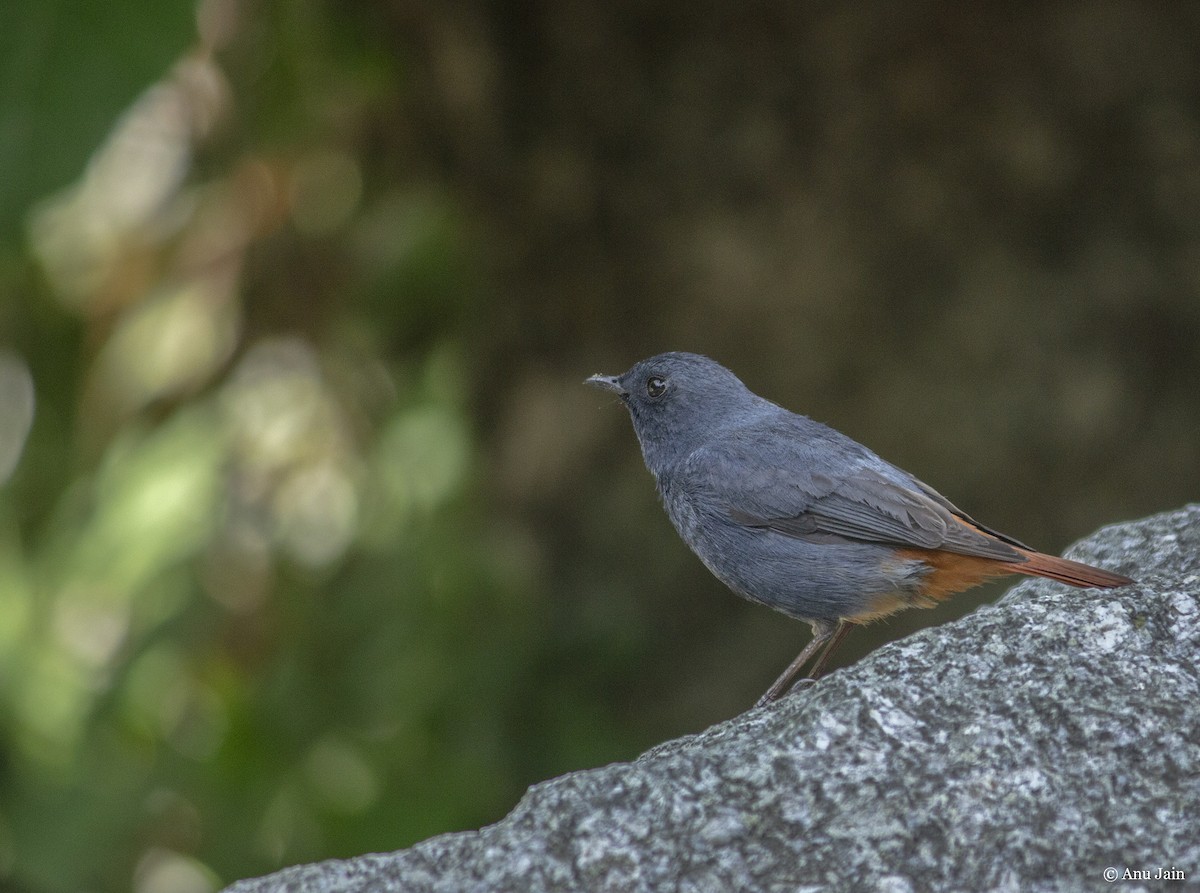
1029, 746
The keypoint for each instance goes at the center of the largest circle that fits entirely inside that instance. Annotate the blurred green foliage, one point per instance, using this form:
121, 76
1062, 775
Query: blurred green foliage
310, 541
249, 611
65, 72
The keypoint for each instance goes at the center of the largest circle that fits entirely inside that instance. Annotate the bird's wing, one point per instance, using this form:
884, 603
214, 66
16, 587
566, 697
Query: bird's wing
832, 488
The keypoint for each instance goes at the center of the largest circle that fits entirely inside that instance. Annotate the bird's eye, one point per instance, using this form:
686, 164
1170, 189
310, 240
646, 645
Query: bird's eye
655, 387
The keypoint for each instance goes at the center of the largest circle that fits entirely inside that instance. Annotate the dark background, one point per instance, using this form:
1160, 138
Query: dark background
316, 545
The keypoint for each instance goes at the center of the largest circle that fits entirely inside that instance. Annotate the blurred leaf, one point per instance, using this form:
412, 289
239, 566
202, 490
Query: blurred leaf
66, 71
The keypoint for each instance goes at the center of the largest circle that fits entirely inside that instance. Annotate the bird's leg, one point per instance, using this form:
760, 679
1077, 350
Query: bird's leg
822, 633
838, 634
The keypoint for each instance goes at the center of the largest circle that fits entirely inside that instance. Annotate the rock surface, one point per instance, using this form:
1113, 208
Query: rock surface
1029, 746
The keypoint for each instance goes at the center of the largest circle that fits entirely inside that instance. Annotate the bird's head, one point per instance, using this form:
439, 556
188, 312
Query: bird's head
677, 401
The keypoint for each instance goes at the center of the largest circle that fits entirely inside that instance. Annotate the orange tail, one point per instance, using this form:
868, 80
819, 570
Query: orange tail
1065, 570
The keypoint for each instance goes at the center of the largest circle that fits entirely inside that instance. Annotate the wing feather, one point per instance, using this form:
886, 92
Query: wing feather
832, 488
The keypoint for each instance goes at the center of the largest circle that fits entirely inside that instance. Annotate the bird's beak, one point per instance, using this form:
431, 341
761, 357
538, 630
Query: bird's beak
608, 383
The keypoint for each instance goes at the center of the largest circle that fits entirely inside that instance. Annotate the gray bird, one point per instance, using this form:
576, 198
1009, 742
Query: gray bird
791, 514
